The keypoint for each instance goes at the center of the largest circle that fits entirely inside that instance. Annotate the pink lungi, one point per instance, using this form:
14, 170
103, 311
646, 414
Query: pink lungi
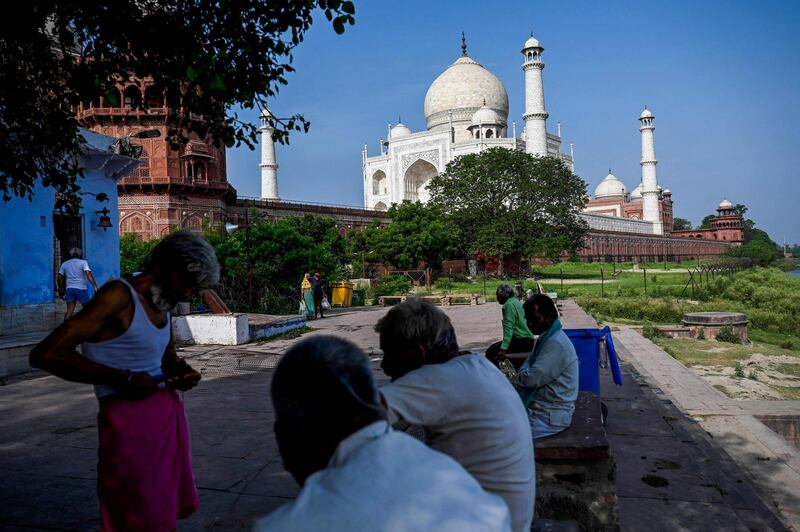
144, 471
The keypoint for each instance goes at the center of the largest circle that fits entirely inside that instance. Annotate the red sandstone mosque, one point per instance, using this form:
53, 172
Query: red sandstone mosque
467, 111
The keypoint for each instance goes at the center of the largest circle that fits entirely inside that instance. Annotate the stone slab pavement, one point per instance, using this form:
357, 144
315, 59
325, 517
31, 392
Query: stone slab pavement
48, 442
771, 462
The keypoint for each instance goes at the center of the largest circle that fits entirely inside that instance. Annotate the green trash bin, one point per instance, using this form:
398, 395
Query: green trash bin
359, 295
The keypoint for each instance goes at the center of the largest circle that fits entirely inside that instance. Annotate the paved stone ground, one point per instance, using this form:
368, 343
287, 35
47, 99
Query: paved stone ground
48, 442
767, 458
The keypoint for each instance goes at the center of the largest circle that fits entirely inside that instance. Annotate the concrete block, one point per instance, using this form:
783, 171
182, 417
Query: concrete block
216, 329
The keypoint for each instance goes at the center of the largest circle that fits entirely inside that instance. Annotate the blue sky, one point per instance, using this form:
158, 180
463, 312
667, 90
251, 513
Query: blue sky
721, 77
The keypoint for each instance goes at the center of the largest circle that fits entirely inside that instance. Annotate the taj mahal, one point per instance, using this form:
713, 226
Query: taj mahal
466, 109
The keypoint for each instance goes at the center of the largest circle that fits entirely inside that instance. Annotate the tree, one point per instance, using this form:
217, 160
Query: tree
322, 231
680, 224
359, 246
761, 251
205, 59
278, 255
417, 233
706, 222
501, 202
133, 251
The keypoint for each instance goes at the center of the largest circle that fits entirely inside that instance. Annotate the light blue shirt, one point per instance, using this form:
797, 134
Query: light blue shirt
379, 479
553, 375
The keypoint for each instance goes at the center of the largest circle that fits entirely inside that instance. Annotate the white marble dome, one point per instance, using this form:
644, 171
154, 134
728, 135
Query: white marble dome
532, 42
487, 116
400, 130
646, 113
610, 187
725, 204
463, 88
637, 192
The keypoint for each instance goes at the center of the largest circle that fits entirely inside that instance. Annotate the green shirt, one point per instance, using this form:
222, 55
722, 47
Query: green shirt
514, 323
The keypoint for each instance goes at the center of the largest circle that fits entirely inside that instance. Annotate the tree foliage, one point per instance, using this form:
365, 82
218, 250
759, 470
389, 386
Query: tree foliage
133, 251
501, 202
680, 224
206, 59
416, 234
361, 252
279, 254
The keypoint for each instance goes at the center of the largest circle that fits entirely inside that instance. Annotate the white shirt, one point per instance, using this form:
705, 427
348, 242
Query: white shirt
471, 412
379, 479
73, 270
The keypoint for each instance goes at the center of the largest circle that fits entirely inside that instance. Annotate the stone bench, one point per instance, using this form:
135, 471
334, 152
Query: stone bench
447, 299
575, 472
384, 300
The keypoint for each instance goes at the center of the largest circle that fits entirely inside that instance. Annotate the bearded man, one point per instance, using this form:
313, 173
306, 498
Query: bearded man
145, 479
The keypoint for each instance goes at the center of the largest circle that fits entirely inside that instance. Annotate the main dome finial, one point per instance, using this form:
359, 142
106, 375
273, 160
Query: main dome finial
463, 44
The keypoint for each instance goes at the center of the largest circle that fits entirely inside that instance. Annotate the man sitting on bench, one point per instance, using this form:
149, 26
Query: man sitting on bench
517, 338
550, 375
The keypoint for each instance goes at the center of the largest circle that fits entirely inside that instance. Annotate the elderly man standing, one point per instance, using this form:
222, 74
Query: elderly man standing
72, 276
467, 407
357, 473
550, 375
517, 338
145, 479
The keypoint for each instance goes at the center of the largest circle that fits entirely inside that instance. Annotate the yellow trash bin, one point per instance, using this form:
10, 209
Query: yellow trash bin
342, 294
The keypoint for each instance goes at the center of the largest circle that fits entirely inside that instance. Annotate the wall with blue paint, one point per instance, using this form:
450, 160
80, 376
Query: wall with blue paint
26, 241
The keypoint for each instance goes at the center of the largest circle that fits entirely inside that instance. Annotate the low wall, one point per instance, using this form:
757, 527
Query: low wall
217, 329
19, 319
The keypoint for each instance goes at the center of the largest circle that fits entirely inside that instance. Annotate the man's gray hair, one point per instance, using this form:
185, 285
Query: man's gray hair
186, 253
75, 253
324, 378
505, 291
417, 321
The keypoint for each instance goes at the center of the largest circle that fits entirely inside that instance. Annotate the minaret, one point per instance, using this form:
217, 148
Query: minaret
535, 114
269, 164
650, 209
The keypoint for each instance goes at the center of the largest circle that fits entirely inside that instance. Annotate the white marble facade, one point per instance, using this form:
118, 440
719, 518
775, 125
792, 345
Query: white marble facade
466, 109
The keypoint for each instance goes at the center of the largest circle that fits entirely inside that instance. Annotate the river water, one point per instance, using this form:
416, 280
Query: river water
796, 273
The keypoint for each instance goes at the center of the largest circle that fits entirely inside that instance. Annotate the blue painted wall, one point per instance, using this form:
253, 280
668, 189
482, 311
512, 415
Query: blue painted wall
26, 241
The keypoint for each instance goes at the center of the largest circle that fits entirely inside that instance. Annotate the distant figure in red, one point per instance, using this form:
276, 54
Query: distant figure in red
144, 471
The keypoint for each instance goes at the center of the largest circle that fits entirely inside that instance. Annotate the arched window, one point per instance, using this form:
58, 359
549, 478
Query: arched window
416, 180
132, 97
489, 133
189, 170
380, 206
379, 183
200, 171
153, 97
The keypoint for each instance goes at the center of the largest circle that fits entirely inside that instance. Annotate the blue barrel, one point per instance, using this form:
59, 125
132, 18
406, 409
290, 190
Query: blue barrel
587, 347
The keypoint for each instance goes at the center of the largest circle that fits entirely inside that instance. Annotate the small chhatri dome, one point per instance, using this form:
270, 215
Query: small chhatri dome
725, 204
486, 116
610, 187
637, 192
532, 42
646, 113
400, 130
667, 192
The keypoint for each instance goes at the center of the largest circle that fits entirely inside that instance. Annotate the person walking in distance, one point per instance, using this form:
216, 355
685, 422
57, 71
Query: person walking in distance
319, 294
144, 470
72, 276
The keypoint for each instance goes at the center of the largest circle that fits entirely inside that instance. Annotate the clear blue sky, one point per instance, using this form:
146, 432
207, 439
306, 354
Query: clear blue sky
721, 77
